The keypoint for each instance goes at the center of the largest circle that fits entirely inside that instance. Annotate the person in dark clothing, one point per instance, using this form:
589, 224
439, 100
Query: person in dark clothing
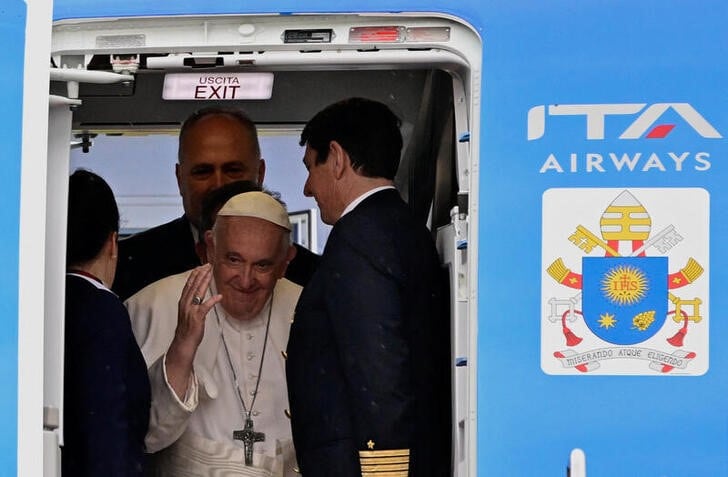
216, 146
106, 386
368, 354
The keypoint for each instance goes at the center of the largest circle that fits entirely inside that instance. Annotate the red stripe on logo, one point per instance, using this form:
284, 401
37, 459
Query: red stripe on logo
660, 131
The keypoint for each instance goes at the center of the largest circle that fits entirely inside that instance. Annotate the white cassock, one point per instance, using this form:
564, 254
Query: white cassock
195, 436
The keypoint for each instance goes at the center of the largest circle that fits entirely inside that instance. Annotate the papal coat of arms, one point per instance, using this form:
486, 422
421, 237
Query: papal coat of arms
625, 285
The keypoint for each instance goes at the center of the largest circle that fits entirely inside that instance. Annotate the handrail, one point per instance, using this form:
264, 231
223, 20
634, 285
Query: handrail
577, 464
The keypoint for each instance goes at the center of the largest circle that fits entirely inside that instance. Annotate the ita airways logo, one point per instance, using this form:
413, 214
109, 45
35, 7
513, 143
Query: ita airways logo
625, 282
645, 119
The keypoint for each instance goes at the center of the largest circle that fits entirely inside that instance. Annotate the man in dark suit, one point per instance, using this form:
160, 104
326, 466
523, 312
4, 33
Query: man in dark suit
368, 354
216, 146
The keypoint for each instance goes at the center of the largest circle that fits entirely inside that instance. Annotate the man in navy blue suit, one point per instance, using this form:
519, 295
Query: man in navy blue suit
368, 354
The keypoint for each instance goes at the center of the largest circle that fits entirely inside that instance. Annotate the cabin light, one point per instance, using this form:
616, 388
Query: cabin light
217, 86
425, 34
323, 35
383, 34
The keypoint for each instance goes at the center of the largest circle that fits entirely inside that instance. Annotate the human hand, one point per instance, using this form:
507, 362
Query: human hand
192, 310
191, 313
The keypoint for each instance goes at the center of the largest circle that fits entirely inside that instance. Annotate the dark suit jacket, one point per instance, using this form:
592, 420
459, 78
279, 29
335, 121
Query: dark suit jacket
169, 249
154, 254
368, 354
106, 386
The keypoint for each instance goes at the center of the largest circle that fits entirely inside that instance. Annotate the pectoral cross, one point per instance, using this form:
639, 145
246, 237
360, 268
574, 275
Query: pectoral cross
249, 437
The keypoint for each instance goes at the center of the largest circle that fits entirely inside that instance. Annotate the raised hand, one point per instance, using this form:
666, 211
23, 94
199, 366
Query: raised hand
192, 311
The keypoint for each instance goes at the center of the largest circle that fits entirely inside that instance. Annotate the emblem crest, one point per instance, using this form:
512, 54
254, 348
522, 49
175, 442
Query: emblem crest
624, 297
628, 304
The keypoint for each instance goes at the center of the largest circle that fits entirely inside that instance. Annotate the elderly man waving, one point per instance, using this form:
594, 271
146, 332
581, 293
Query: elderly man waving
218, 378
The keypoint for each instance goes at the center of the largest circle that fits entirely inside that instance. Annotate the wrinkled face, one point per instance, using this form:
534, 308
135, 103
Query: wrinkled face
215, 151
248, 256
320, 184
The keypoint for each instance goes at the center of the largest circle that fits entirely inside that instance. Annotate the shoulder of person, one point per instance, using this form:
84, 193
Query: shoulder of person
287, 292
95, 307
154, 236
169, 287
303, 254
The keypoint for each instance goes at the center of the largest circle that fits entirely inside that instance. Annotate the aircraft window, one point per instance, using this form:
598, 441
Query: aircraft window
140, 170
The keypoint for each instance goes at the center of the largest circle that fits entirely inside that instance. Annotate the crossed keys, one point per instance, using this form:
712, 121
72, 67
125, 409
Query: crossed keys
663, 241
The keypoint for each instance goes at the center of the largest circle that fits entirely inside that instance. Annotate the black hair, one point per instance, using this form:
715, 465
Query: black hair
368, 130
236, 114
213, 201
92, 216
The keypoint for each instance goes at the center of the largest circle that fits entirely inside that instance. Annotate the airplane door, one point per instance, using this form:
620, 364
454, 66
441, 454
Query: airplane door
24, 101
59, 132
59, 120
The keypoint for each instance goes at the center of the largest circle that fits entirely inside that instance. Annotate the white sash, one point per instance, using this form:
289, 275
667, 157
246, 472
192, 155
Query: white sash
195, 456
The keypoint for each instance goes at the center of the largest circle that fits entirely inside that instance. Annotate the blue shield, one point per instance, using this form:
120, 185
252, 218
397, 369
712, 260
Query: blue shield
625, 298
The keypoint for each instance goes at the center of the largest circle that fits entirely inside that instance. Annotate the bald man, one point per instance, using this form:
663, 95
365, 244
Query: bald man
217, 146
